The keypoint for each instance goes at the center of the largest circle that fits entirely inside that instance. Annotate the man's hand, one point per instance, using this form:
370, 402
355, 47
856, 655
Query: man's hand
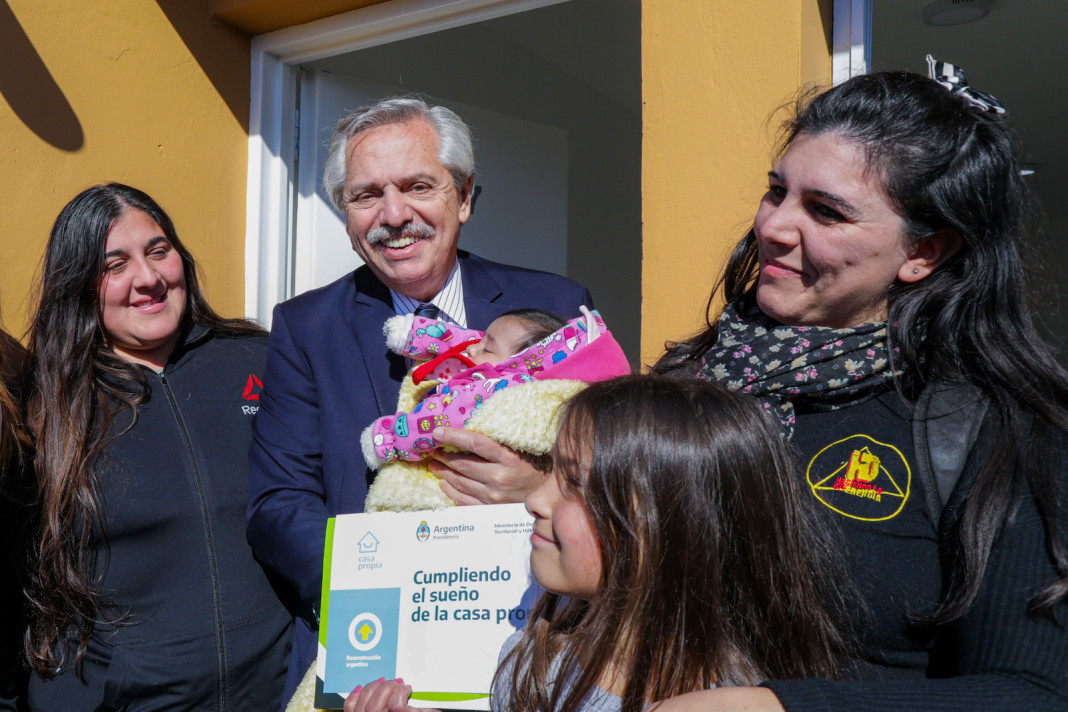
486, 473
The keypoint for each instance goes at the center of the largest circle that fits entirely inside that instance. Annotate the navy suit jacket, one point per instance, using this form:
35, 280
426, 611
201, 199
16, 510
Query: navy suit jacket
329, 375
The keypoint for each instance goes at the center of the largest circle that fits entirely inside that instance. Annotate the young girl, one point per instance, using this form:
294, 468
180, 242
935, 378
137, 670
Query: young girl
678, 551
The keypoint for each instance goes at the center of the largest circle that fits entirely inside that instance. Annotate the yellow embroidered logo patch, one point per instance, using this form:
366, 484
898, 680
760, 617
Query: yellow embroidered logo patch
861, 478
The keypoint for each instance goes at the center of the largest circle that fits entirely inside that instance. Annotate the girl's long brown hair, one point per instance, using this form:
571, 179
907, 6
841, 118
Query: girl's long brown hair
716, 566
77, 386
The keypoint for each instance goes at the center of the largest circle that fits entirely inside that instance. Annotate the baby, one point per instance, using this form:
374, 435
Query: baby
469, 367
512, 332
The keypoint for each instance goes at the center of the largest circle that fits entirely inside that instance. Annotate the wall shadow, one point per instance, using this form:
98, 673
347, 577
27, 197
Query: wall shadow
826, 8
221, 51
29, 89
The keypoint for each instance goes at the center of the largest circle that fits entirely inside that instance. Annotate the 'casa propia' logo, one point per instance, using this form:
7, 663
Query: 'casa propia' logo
861, 478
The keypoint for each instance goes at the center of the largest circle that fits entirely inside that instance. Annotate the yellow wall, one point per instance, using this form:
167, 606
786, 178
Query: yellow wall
712, 72
147, 92
155, 93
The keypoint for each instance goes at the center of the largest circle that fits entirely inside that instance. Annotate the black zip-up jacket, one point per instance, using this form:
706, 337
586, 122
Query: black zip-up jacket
202, 627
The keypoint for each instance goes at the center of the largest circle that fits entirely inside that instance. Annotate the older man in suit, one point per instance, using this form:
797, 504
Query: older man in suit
402, 172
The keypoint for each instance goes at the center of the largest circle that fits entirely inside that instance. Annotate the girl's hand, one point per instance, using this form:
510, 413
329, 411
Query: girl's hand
722, 699
381, 696
486, 473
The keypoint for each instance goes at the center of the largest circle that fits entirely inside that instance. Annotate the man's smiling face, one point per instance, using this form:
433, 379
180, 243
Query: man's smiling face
402, 211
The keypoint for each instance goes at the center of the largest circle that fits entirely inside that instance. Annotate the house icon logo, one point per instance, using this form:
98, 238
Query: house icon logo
368, 544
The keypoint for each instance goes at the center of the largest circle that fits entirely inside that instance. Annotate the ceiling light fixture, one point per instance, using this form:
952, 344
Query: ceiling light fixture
942, 13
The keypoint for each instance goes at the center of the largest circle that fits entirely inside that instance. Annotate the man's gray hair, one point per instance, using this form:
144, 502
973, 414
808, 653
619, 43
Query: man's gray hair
454, 140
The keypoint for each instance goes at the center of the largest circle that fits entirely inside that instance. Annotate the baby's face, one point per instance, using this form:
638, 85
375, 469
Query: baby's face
503, 339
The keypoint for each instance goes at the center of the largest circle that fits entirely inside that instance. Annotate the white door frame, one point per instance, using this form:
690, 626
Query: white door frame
271, 179
851, 39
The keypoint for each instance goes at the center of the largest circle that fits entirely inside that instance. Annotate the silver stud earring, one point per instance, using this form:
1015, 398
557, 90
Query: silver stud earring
915, 270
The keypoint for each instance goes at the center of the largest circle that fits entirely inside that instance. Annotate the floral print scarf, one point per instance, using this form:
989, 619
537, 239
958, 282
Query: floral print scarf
829, 368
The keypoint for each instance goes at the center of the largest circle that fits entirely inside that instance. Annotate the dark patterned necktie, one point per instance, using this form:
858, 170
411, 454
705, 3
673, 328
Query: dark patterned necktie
427, 311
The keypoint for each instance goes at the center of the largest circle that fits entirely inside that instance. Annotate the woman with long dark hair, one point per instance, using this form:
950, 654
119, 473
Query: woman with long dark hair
144, 593
879, 308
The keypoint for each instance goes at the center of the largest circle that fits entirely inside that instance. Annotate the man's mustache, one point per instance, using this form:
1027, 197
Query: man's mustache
389, 232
